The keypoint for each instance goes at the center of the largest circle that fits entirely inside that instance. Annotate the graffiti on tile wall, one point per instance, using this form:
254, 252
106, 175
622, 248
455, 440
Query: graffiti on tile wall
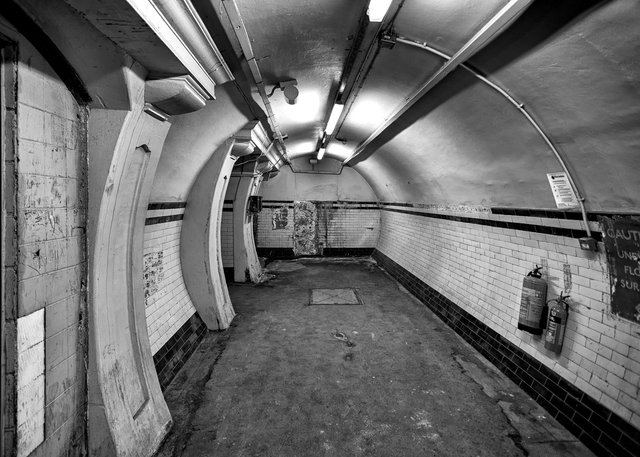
280, 218
153, 273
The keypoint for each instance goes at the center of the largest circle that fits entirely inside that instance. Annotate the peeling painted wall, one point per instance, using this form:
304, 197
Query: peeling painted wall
51, 205
305, 228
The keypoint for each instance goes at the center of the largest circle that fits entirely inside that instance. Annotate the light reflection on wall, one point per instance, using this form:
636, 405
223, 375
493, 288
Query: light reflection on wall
339, 150
299, 148
309, 108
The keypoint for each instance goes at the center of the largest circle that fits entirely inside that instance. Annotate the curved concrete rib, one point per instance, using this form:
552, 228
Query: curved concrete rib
200, 249
245, 256
127, 413
200, 245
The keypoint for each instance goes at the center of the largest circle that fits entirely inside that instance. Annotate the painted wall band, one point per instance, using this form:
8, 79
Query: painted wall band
163, 219
570, 233
166, 205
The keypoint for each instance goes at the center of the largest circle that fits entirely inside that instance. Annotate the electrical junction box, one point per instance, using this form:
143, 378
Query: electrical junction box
588, 244
255, 204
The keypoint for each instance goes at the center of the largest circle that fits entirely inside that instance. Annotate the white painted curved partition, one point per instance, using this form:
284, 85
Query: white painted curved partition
200, 245
127, 413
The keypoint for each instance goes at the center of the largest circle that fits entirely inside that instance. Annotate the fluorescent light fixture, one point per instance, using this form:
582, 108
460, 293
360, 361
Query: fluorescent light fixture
333, 118
321, 153
378, 9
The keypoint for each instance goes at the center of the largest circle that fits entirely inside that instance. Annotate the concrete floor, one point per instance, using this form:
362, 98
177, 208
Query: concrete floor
385, 378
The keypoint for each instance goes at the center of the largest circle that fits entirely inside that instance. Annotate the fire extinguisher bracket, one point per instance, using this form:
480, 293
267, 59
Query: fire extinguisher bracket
557, 323
532, 314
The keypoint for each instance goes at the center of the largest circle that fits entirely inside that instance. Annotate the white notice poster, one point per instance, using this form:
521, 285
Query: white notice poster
562, 191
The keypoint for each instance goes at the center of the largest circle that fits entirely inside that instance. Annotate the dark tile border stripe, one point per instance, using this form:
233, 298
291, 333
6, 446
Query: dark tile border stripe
174, 354
531, 212
227, 210
569, 233
163, 219
556, 214
600, 429
166, 205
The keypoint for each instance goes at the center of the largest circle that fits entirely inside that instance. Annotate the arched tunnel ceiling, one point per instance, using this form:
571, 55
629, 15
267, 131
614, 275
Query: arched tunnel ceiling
465, 143
573, 65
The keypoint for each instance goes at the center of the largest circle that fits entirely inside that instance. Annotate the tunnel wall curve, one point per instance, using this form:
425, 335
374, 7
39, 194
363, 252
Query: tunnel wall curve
467, 211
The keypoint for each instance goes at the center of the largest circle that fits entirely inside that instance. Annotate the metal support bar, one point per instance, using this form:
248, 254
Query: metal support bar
488, 32
525, 113
231, 8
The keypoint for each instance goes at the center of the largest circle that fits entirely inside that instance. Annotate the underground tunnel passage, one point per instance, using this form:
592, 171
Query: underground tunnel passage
284, 228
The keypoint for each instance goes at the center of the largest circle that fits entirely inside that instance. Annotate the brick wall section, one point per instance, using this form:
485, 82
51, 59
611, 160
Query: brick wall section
177, 350
175, 328
266, 236
52, 264
345, 225
168, 305
341, 225
479, 268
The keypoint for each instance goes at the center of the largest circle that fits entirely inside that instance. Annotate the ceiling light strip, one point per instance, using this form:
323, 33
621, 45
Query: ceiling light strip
333, 119
348, 94
485, 35
378, 9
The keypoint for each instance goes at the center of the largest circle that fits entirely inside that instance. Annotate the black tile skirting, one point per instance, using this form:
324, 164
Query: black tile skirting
275, 253
556, 213
600, 429
287, 253
175, 352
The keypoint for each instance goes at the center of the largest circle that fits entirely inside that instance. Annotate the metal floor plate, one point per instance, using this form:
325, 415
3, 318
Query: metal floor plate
346, 296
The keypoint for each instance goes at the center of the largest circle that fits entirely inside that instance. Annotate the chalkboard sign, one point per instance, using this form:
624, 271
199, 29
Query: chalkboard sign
621, 236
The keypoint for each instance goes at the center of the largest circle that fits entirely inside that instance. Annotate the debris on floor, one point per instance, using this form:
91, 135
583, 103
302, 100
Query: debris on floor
343, 337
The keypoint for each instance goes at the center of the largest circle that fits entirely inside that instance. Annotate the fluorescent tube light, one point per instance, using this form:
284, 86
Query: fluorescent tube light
333, 118
378, 9
321, 153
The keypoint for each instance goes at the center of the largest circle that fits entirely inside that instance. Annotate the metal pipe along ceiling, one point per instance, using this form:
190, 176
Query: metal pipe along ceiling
488, 32
231, 8
525, 113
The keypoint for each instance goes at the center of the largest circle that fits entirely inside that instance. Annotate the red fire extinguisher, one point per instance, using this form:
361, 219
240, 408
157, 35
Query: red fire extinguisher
557, 322
532, 303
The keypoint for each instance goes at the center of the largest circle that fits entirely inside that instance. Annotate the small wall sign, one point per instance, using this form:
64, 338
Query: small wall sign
562, 191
